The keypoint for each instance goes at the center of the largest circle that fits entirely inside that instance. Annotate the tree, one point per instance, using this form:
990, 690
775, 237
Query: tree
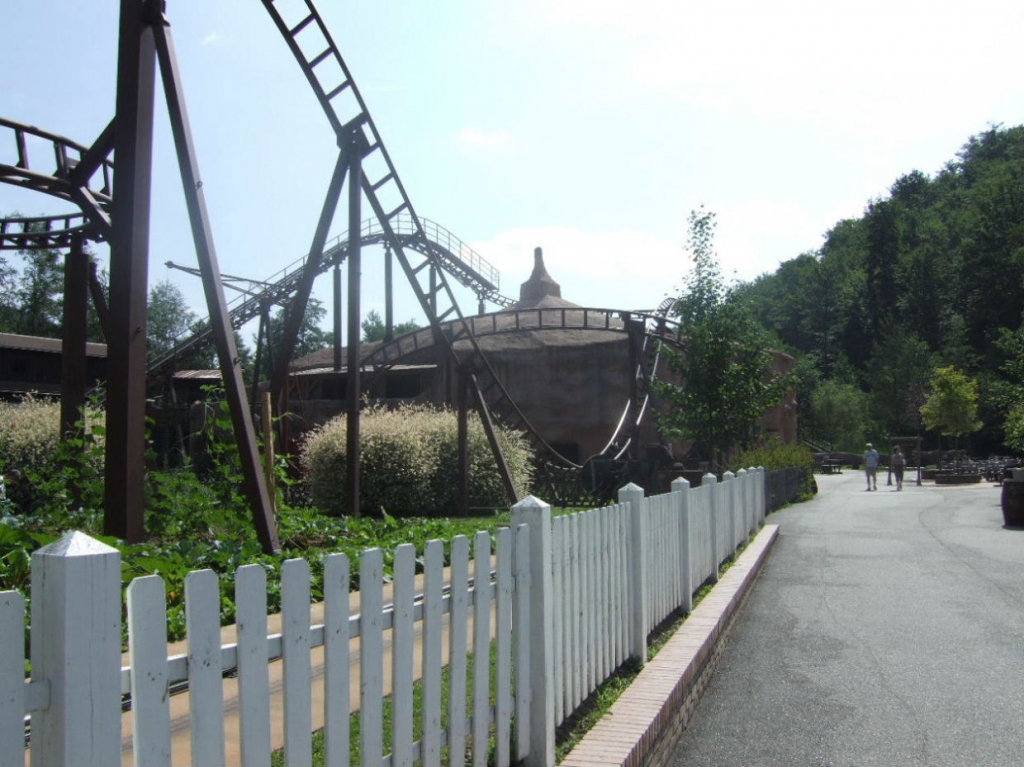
8, 305
838, 411
727, 375
952, 407
169, 320
40, 293
311, 336
1007, 390
898, 371
882, 256
375, 330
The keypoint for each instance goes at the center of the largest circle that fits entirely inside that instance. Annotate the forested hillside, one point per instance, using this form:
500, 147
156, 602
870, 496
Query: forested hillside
930, 276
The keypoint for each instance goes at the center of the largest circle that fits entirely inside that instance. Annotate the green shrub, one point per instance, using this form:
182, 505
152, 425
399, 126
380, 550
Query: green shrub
409, 463
774, 455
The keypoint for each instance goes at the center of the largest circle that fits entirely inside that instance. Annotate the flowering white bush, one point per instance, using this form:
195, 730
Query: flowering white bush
29, 433
30, 442
409, 463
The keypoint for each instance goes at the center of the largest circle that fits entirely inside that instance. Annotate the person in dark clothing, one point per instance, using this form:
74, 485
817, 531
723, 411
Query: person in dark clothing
899, 463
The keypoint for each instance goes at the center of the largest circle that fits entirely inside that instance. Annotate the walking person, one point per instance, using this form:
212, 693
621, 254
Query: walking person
871, 466
899, 463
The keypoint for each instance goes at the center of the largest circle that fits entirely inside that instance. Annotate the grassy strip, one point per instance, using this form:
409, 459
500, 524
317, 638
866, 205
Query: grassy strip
601, 700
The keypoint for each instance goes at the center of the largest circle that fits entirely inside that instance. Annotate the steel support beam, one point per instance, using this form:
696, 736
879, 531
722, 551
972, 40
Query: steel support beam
76, 319
254, 483
129, 263
337, 318
353, 379
389, 294
462, 496
94, 157
296, 310
73, 358
492, 438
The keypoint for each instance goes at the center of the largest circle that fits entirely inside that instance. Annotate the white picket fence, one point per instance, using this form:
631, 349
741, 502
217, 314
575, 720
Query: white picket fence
541, 616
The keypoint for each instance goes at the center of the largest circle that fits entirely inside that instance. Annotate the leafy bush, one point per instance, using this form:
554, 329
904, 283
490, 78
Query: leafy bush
409, 463
774, 455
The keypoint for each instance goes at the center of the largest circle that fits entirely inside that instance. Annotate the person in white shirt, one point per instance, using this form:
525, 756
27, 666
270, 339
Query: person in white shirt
871, 466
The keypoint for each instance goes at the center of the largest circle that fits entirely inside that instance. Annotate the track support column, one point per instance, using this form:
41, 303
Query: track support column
129, 265
353, 380
254, 483
73, 356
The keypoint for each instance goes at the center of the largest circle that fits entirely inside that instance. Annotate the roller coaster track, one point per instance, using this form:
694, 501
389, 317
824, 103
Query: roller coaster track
311, 44
78, 174
473, 271
518, 320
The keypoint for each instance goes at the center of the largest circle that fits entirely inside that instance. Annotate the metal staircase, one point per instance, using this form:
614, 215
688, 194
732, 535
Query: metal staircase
460, 260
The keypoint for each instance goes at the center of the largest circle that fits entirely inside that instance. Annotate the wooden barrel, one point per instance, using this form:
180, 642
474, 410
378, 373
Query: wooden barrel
1013, 503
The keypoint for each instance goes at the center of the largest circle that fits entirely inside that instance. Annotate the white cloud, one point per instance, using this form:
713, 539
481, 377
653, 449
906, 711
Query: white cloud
476, 137
213, 38
631, 269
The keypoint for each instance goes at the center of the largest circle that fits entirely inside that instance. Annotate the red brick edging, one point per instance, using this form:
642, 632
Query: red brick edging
644, 724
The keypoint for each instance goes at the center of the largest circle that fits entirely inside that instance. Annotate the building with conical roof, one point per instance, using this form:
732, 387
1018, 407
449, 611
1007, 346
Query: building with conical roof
570, 370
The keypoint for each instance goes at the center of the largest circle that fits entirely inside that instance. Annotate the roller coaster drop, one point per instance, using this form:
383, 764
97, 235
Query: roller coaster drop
116, 209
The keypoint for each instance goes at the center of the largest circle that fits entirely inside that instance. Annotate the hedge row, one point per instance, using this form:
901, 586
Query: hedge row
409, 463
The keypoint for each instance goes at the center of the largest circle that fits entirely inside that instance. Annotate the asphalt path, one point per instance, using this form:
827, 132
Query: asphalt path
886, 628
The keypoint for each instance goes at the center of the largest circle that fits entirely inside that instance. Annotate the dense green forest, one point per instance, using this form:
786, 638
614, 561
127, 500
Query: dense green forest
931, 276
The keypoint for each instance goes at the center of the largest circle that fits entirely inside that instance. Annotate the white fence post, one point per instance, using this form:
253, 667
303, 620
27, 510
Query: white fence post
12, 678
762, 493
711, 481
731, 502
76, 647
536, 515
682, 486
755, 477
634, 496
745, 502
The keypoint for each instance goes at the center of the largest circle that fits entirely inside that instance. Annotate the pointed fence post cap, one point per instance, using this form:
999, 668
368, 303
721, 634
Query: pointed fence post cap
75, 544
531, 502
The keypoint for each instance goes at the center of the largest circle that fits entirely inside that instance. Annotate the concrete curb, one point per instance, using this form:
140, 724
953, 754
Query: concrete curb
644, 724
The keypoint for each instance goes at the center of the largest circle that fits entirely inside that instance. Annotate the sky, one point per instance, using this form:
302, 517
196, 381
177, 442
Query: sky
588, 128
